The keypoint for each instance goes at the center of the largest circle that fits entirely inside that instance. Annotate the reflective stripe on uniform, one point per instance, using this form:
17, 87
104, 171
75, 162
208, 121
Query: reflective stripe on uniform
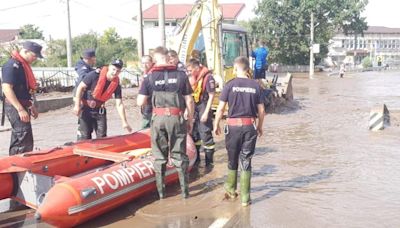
211, 146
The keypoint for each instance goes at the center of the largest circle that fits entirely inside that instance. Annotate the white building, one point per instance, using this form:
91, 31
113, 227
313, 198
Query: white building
377, 43
174, 14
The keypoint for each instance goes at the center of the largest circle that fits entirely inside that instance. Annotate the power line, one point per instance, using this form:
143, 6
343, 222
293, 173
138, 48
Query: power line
22, 5
109, 16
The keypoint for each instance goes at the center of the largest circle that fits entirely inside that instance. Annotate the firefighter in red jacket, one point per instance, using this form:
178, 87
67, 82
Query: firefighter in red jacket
92, 93
203, 85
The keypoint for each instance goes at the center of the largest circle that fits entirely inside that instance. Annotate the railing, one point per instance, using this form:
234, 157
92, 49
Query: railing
66, 77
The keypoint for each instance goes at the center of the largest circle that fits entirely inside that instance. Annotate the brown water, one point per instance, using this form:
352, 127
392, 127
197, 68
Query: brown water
317, 165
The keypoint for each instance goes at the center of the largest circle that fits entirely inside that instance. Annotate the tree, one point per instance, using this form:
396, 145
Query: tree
285, 25
30, 31
108, 47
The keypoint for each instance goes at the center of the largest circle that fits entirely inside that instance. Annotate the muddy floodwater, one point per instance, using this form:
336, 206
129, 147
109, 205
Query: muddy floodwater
317, 165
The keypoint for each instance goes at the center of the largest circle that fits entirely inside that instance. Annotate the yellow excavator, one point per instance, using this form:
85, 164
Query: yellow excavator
219, 44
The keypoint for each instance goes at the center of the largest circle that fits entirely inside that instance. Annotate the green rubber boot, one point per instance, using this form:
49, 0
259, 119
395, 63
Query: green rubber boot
184, 182
230, 184
245, 177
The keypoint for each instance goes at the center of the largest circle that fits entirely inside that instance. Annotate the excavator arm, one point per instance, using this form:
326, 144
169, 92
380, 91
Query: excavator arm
205, 17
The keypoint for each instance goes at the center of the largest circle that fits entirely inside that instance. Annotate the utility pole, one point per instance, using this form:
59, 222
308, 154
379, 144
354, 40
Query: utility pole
311, 47
140, 40
69, 46
161, 21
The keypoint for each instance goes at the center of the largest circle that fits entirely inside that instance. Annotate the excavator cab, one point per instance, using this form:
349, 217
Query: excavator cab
234, 44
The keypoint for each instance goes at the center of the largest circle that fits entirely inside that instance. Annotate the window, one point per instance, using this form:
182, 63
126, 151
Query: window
234, 45
173, 23
156, 24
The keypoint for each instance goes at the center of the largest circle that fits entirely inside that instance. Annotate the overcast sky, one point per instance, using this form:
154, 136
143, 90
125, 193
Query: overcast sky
98, 15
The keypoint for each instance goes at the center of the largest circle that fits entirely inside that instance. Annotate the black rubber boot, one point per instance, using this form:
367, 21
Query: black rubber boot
160, 185
209, 157
198, 155
160, 182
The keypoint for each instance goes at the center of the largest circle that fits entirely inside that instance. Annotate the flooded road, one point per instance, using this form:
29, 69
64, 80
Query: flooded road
317, 165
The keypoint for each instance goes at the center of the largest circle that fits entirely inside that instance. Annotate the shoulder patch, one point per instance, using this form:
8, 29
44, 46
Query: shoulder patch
15, 65
84, 68
98, 70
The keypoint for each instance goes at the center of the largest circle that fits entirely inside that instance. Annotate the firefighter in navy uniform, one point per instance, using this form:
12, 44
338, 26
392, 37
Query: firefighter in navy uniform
203, 85
19, 85
85, 65
170, 94
92, 93
243, 96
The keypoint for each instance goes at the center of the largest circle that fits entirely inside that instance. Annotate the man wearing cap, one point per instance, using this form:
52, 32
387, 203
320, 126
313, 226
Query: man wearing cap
243, 96
95, 89
85, 64
19, 85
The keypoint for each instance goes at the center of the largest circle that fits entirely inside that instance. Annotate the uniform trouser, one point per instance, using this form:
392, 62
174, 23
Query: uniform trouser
168, 139
146, 115
240, 144
202, 132
92, 120
21, 135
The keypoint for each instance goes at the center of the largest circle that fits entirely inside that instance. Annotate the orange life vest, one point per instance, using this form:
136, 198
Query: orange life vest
101, 83
199, 84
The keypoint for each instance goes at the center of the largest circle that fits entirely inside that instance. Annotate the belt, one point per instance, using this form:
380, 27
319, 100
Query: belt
25, 103
240, 121
91, 103
172, 111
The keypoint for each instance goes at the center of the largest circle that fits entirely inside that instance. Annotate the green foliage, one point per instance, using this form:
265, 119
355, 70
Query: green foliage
108, 47
284, 25
30, 31
366, 62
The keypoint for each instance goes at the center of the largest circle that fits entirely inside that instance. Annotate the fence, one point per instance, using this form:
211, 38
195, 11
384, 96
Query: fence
49, 77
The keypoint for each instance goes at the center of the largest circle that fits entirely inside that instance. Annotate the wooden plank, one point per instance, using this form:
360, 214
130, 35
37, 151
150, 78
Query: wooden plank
105, 155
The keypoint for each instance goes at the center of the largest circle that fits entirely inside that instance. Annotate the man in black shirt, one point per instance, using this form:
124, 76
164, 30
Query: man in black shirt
85, 64
203, 85
170, 94
94, 90
243, 97
19, 85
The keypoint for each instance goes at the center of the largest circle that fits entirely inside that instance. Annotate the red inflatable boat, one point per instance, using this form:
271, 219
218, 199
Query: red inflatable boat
72, 184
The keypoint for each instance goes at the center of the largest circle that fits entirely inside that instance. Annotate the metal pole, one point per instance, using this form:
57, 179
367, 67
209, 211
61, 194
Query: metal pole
161, 21
69, 46
311, 47
140, 40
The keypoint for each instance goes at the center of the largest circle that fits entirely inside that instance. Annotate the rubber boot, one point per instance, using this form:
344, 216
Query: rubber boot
245, 177
198, 155
209, 157
184, 182
230, 184
160, 185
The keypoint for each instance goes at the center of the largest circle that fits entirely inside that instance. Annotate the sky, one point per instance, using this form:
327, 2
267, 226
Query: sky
97, 15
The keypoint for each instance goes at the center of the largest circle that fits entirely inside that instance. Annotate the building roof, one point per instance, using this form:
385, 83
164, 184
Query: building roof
382, 30
179, 11
7, 35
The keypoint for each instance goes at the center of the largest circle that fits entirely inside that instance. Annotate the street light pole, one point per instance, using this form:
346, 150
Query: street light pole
69, 45
161, 21
311, 47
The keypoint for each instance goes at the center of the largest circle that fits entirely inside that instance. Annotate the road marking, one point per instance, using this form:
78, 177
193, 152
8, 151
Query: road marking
220, 222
